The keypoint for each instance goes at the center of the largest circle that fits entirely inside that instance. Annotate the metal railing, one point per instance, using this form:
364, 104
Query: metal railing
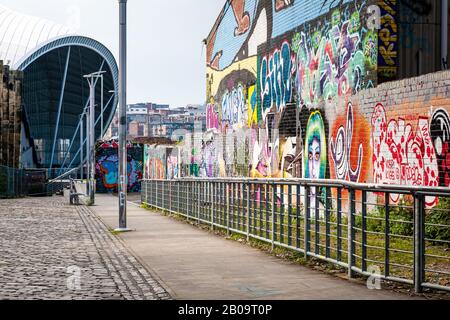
62, 182
395, 233
17, 183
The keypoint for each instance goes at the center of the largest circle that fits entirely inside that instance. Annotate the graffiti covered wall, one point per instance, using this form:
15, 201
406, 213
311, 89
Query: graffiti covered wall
410, 132
282, 69
160, 162
107, 169
293, 90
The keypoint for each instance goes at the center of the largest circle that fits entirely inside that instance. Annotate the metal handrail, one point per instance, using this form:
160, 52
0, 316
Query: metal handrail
388, 188
63, 175
264, 209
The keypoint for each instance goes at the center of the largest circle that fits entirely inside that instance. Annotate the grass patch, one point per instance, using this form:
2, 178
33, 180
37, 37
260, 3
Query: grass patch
114, 232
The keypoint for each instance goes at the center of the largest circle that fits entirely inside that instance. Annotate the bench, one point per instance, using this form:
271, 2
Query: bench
75, 198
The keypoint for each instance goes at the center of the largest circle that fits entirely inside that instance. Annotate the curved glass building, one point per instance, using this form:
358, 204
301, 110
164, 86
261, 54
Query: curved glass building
55, 94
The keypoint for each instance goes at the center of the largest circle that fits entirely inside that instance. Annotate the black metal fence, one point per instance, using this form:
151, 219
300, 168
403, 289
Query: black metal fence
391, 232
13, 182
16, 183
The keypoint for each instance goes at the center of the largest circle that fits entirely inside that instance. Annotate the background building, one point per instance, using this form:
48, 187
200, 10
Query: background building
54, 92
160, 121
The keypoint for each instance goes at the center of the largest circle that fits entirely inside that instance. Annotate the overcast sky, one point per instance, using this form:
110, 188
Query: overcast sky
166, 58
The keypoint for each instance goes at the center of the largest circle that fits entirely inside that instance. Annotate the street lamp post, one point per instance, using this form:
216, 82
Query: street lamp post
123, 183
91, 138
81, 147
92, 80
88, 166
101, 106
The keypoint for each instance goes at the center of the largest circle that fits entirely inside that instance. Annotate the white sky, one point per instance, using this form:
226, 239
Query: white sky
166, 62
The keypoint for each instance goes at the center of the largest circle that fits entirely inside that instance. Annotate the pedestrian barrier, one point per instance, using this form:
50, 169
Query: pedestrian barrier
17, 183
13, 182
396, 233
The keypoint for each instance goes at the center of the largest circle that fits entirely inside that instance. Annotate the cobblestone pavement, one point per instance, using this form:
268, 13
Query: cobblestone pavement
46, 244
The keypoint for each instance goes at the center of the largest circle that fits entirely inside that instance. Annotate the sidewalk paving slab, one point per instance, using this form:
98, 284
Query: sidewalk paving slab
195, 265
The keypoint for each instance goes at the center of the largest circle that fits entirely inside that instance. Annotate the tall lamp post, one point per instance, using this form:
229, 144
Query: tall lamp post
91, 78
88, 166
123, 183
82, 146
101, 106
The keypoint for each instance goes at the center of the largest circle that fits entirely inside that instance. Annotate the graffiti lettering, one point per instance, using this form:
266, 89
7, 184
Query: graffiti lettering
276, 76
388, 40
233, 106
402, 157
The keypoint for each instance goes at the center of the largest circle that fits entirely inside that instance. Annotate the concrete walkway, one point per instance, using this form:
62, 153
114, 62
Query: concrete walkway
195, 265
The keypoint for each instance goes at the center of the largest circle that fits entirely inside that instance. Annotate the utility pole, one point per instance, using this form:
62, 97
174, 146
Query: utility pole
92, 80
91, 137
123, 183
101, 108
81, 147
88, 167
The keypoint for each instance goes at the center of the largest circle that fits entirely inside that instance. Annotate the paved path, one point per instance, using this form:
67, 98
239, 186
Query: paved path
194, 264
46, 244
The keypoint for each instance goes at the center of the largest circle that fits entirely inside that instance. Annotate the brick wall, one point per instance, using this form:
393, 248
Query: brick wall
409, 127
293, 91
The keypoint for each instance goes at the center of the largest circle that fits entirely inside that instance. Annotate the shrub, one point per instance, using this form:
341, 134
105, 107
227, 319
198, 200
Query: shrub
401, 218
439, 215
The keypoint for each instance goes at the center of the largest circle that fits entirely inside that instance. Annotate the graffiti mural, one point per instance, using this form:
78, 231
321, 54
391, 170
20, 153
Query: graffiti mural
388, 40
155, 162
254, 116
293, 91
440, 134
403, 153
246, 24
242, 17
276, 74
173, 168
283, 4
270, 65
315, 159
331, 62
234, 107
212, 117
107, 167
349, 150
262, 157
230, 100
